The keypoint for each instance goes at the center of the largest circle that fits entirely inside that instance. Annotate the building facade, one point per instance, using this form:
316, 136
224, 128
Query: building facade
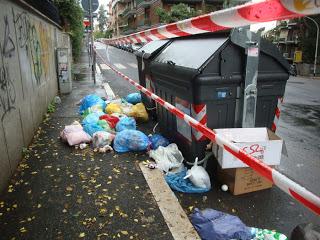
129, 16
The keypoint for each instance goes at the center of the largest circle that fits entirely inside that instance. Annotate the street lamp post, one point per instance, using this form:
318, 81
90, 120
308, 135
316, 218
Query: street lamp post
317, 41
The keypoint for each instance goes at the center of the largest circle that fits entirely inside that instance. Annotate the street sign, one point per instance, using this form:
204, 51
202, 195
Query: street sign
86, 5
297, 56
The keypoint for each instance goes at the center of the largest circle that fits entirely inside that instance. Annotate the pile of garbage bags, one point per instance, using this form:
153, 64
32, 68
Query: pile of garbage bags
215, 225
112, 125
109, 123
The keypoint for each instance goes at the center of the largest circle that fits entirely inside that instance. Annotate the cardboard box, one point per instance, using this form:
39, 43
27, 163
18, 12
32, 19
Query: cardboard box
258, 142
242, 180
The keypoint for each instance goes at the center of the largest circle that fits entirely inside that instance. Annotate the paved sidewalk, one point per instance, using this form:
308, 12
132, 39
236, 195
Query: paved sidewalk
59, 192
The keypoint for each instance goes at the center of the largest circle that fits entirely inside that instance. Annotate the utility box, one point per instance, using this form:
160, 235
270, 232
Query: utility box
144, 56
204, 76
64, 70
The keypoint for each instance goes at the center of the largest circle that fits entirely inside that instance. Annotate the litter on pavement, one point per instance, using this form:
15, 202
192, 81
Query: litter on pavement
215, 225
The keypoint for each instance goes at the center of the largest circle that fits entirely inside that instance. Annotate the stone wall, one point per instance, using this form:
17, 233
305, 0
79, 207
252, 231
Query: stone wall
28, 78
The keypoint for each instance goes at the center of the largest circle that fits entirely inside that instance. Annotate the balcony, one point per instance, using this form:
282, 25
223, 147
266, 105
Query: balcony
144, 4
130, 12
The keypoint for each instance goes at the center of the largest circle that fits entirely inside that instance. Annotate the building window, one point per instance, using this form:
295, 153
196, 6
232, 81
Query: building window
147, 14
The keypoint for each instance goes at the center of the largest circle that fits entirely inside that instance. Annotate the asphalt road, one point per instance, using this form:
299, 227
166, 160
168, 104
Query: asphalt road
299, 126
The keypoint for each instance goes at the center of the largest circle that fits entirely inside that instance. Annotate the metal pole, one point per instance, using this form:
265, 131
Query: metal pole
317, 41
91, 40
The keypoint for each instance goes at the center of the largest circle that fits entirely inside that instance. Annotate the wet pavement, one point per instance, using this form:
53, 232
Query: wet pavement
59, 192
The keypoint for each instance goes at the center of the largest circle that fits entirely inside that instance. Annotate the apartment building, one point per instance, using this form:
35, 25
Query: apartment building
129, 16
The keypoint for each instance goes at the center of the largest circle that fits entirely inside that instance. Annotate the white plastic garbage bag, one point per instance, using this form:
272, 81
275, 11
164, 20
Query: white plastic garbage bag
102, 138
167, 157
198, 176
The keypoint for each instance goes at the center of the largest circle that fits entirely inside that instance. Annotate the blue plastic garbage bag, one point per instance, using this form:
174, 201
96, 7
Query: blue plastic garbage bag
91, 100
92, 128
215, 225
176, 182
130, 140
158, 140
133, 98
126, 123
92, 118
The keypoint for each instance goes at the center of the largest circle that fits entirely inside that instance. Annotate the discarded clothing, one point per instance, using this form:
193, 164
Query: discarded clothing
215, 225
177, 182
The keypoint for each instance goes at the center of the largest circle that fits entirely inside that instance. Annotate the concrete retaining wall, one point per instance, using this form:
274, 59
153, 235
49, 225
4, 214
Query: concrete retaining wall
28, 78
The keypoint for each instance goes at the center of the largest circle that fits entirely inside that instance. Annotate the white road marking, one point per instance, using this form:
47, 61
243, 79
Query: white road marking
172, 212
98, 69
109, 92
104, 66
134, 65
119, 66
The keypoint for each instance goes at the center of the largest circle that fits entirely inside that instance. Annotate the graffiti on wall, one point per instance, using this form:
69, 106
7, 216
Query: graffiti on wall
7, 90
28, 39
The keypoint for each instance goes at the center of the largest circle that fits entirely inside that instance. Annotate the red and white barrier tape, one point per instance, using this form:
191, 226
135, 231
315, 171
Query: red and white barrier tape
247, 14
277, 115
295, 190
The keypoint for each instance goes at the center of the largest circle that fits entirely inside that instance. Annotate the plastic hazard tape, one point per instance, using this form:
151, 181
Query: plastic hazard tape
277, 115
295, 190
243, 15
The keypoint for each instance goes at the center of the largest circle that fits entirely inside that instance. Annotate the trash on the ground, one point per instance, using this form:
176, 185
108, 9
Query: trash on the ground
105, 149
89, 101
92, 118
101, 139
74, 134
112, 120
126, 108
130, 140
57, 100
126, 123
139, 112
105, 125
260, 143
113, 108
92, 128
198, 176
83, 145
211, 224
158, 140
152, 165
224, 187
177, 182
265, 234
95, 108
167, 157
242, 180
306, 231
133, 98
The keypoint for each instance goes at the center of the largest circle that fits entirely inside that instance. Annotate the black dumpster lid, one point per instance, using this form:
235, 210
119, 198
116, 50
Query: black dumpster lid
150, 48
190, 53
